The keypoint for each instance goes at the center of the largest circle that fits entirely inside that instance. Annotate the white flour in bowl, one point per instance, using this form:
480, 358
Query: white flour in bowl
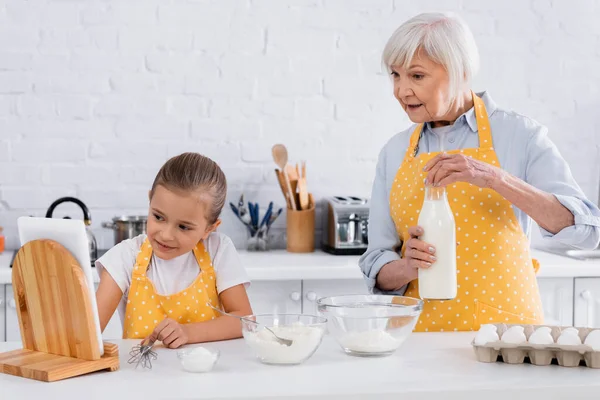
374, 341
306, 340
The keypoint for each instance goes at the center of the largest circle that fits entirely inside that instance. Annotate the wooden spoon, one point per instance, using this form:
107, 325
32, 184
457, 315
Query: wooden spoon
284, 191
280, 156
303, 194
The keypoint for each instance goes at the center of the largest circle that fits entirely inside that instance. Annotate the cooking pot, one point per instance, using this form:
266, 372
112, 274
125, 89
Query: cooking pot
127, 226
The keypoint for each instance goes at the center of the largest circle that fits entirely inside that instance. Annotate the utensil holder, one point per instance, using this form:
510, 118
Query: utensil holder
300, 230
257, 242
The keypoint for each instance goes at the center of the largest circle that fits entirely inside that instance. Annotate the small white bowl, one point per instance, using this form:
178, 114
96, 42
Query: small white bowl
198, 359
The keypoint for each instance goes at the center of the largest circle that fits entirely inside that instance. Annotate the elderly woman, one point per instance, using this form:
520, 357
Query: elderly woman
500, 171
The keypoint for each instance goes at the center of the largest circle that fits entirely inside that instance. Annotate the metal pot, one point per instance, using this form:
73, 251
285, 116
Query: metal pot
127, 227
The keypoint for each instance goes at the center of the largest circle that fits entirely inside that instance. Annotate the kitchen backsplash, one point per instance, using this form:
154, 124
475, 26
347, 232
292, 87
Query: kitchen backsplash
95, 95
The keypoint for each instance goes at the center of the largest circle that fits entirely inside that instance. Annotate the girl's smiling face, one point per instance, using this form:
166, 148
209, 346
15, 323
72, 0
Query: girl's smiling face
177, 221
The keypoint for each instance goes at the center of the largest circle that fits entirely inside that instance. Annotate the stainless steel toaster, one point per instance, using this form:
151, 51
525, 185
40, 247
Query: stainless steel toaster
345, 225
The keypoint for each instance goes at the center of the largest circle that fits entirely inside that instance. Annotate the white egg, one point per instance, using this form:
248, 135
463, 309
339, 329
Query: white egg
515, 335
542, 335
487, 333
569, 336
593, 340
570, 330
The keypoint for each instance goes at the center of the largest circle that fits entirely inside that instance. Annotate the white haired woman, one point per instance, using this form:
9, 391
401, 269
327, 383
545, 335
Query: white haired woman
500, 172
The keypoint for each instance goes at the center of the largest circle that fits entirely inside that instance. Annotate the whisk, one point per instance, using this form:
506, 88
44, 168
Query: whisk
142, 354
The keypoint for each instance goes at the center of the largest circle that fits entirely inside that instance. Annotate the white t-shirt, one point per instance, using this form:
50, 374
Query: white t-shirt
172, 276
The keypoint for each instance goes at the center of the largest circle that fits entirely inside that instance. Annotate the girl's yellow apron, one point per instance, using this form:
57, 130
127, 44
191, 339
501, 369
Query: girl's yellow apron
146, 308
496, 275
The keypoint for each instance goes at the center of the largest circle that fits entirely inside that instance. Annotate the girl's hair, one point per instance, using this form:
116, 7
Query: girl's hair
445, 38
194, 172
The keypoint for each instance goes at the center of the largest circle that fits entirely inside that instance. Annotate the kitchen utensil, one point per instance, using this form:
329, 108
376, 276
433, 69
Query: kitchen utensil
55, 312
294, 186
267, 215
127, 226
87, 219
303, 174
237, 214
274, 217
142, 354
285, 342
370, 325
302, 194
280, 156
281, 181
243, 211
253, 208
345, 222
308, 329
292, 172
71, 234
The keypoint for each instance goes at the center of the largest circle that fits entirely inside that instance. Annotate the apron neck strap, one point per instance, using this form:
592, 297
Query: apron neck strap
483, 123
144, 256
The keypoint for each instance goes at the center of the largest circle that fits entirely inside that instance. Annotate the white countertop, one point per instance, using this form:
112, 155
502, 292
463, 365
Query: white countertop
427, 366
280, 265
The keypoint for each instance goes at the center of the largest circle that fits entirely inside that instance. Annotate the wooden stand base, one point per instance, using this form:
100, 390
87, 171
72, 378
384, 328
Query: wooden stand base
49, 367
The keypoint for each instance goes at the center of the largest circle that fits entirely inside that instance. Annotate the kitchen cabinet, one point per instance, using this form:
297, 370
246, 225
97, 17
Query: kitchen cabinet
557, 300
587, 302
283, 297
315, 289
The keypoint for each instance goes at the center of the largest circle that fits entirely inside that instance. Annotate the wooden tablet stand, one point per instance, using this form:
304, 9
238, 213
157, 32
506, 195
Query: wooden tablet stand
55, 317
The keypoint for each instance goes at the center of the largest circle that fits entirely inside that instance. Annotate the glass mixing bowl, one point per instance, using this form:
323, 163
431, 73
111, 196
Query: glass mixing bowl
370, 325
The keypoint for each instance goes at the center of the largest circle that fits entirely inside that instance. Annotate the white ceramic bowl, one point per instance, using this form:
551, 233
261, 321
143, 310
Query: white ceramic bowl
198, 358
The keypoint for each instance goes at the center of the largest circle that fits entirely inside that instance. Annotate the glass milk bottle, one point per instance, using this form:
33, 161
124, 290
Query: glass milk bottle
438, 282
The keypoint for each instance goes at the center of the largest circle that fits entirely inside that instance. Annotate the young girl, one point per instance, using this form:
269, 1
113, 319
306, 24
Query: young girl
162, 281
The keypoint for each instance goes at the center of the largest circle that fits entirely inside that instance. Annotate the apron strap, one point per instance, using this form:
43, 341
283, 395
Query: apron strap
413, 146
143, 259
202, 257
483, 123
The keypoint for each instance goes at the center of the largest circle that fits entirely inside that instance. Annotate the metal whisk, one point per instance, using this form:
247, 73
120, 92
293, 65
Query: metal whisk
142, 354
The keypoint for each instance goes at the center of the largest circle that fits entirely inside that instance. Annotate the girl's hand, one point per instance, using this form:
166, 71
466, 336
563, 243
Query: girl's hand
170, 333
445, 169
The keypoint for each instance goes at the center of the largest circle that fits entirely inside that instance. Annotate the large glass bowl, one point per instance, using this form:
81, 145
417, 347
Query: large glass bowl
306, 331
370, 325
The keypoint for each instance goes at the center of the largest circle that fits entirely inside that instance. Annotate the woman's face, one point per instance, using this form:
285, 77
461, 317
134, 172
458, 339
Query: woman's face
422, 89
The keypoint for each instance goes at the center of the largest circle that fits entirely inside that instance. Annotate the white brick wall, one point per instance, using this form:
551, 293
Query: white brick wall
95, 95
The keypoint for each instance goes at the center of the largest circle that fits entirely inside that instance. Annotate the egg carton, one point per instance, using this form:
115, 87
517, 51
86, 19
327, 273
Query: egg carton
565, 355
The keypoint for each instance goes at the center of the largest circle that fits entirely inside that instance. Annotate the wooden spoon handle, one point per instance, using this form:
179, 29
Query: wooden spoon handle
282, 187
289, 188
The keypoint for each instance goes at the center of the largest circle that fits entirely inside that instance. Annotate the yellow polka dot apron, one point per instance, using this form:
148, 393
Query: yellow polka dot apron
146, 308
496, 275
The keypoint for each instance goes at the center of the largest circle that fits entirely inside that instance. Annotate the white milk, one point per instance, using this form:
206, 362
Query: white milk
438, 282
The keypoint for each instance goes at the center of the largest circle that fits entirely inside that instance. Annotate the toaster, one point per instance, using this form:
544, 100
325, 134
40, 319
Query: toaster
345, 225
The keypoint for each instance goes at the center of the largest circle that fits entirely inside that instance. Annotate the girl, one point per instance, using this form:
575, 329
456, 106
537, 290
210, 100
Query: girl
162, 281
